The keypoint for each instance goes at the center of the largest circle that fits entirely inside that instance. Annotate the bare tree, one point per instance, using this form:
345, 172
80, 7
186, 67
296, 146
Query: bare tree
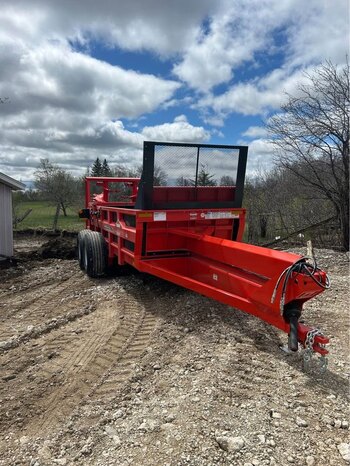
311, 134
227, 180
58, 186
278, 205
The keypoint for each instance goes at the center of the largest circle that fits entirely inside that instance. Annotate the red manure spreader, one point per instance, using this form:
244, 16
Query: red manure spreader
183, 221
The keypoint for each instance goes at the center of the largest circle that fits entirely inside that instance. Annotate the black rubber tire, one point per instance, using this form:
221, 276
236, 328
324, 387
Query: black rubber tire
80, 248
95, 254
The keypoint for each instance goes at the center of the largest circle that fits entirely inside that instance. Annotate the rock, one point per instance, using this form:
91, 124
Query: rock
170, 418
86, 450
301, 422
44, 452
310, 460
61, 461
148, 425
337, 423
290, 459
118, 414
24, 439
344, 450
326, 419
6, 378
262, 438
116, 440
110, 431
275, 414
231, 443
167, 426
344, 424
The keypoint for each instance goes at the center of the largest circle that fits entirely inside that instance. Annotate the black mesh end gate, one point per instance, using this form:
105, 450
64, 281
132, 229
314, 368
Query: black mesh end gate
180, 176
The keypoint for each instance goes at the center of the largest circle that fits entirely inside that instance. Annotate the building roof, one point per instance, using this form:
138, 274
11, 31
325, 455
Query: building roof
10, 182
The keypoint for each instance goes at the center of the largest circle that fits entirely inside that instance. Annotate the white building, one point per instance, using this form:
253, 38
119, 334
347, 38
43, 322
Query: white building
7, 184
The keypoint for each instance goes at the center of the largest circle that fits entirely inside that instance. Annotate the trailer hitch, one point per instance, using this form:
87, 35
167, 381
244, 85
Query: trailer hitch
312, 339
291, 315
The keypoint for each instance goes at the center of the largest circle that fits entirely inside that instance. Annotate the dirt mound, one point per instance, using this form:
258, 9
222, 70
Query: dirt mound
58, 248
29, 248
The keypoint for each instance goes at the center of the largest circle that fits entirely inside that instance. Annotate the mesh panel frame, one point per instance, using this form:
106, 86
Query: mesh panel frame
192, 165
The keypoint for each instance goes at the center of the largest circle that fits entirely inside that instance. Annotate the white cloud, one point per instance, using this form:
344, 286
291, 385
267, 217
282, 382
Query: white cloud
207, 55
320, 31
62, 103
54, 76
255, 131
180, 130
312, 32
162, 27
76, 149
237, 31
256, 97
260, 156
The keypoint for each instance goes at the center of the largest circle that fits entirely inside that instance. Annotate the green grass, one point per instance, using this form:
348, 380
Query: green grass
42, 216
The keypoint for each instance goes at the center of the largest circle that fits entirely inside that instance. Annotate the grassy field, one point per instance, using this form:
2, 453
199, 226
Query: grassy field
42, 217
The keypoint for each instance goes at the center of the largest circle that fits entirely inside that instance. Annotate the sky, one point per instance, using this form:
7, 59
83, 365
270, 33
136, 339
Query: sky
84, 79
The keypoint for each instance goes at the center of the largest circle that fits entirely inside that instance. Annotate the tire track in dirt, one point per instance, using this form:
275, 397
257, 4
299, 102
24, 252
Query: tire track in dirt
43, 304
20, 300
102, 357
119, 374
37, 368
11, 290
41, 274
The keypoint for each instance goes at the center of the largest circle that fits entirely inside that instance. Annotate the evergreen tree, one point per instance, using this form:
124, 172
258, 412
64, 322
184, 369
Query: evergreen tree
205, 178
182, 181
105, 170
96, 169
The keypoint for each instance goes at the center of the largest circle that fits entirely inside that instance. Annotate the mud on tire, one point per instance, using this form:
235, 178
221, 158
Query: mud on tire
94, 250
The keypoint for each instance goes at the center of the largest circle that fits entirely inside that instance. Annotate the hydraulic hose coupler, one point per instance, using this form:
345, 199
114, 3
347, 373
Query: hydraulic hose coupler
291, 314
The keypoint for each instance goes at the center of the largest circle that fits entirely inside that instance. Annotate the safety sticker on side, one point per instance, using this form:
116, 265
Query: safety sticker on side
219, 215
159, 216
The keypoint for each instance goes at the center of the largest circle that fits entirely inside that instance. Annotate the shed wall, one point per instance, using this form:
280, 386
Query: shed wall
6, 228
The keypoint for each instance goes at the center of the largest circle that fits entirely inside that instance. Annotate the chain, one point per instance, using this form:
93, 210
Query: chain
309, 351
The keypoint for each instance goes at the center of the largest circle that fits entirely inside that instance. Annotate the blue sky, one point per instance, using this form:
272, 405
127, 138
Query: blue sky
90, 79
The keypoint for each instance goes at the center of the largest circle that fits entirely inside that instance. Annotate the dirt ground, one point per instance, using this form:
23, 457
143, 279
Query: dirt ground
131, 370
